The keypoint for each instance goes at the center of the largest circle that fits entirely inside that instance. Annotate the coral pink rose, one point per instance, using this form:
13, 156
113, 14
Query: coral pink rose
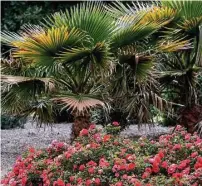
177, 147
88, 182
131, 166
194, 154
97, 181
164, 164
115, 123
172, 168
84, 132
119, 183
91, 170
81, 167
92, 126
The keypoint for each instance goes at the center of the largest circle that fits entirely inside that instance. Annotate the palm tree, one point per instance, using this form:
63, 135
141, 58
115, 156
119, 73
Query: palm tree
71, 54
74, 49
179, 70
183, 65
73, 90
135, 84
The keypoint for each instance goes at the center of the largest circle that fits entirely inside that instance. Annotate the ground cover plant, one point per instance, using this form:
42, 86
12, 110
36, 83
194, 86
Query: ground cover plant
99, 158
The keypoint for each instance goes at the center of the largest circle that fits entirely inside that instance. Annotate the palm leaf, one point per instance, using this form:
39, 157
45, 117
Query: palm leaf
89, 17
79, 103
10, 37
159, 15
19, 92
189, 12
97, 58
132, 34
20, 80
174, 44
42, 48
186, 8
42, 112
191, 25
118, 9
199, 50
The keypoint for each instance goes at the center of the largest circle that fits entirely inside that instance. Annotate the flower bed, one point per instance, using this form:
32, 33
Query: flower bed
96, 158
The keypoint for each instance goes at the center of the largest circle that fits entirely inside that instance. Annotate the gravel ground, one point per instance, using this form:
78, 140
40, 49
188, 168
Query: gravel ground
16, 141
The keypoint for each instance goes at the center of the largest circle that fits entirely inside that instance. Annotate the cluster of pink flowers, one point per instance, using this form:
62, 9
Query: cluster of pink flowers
115, 123
96, 158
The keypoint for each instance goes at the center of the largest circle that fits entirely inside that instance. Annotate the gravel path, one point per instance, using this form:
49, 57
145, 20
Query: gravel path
16, 141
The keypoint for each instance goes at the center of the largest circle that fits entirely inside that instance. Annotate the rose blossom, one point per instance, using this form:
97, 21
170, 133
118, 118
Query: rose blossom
119, 183
71, 178
84, 132
97, 181
92, 126
164, 164
91, 170
172, 168
88, 182
177, 147
194, 154
115, 123
117, 174
145, 175
81, 167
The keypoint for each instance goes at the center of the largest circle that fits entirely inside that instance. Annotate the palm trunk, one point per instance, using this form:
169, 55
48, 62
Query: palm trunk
80, 122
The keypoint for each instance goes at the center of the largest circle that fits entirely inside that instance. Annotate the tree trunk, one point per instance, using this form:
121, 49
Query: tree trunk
190, 116
80, 122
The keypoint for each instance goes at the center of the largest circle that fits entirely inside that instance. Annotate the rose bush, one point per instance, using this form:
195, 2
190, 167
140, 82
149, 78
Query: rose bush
96, 158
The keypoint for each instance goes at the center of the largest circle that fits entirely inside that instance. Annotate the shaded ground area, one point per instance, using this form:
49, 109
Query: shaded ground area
15, 142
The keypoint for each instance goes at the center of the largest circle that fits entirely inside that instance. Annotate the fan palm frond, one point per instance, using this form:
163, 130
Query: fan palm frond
132, 34
79, 103
9, 37
19, 92
138, 106
42, 112
186, 8
89, 17
189, 13
29, 30
160, 15
118, 9
191, 25
99, 57
175, 44
42, 48
20, 80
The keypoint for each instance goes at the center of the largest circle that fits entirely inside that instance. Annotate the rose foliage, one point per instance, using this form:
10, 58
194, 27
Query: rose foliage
96, 158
